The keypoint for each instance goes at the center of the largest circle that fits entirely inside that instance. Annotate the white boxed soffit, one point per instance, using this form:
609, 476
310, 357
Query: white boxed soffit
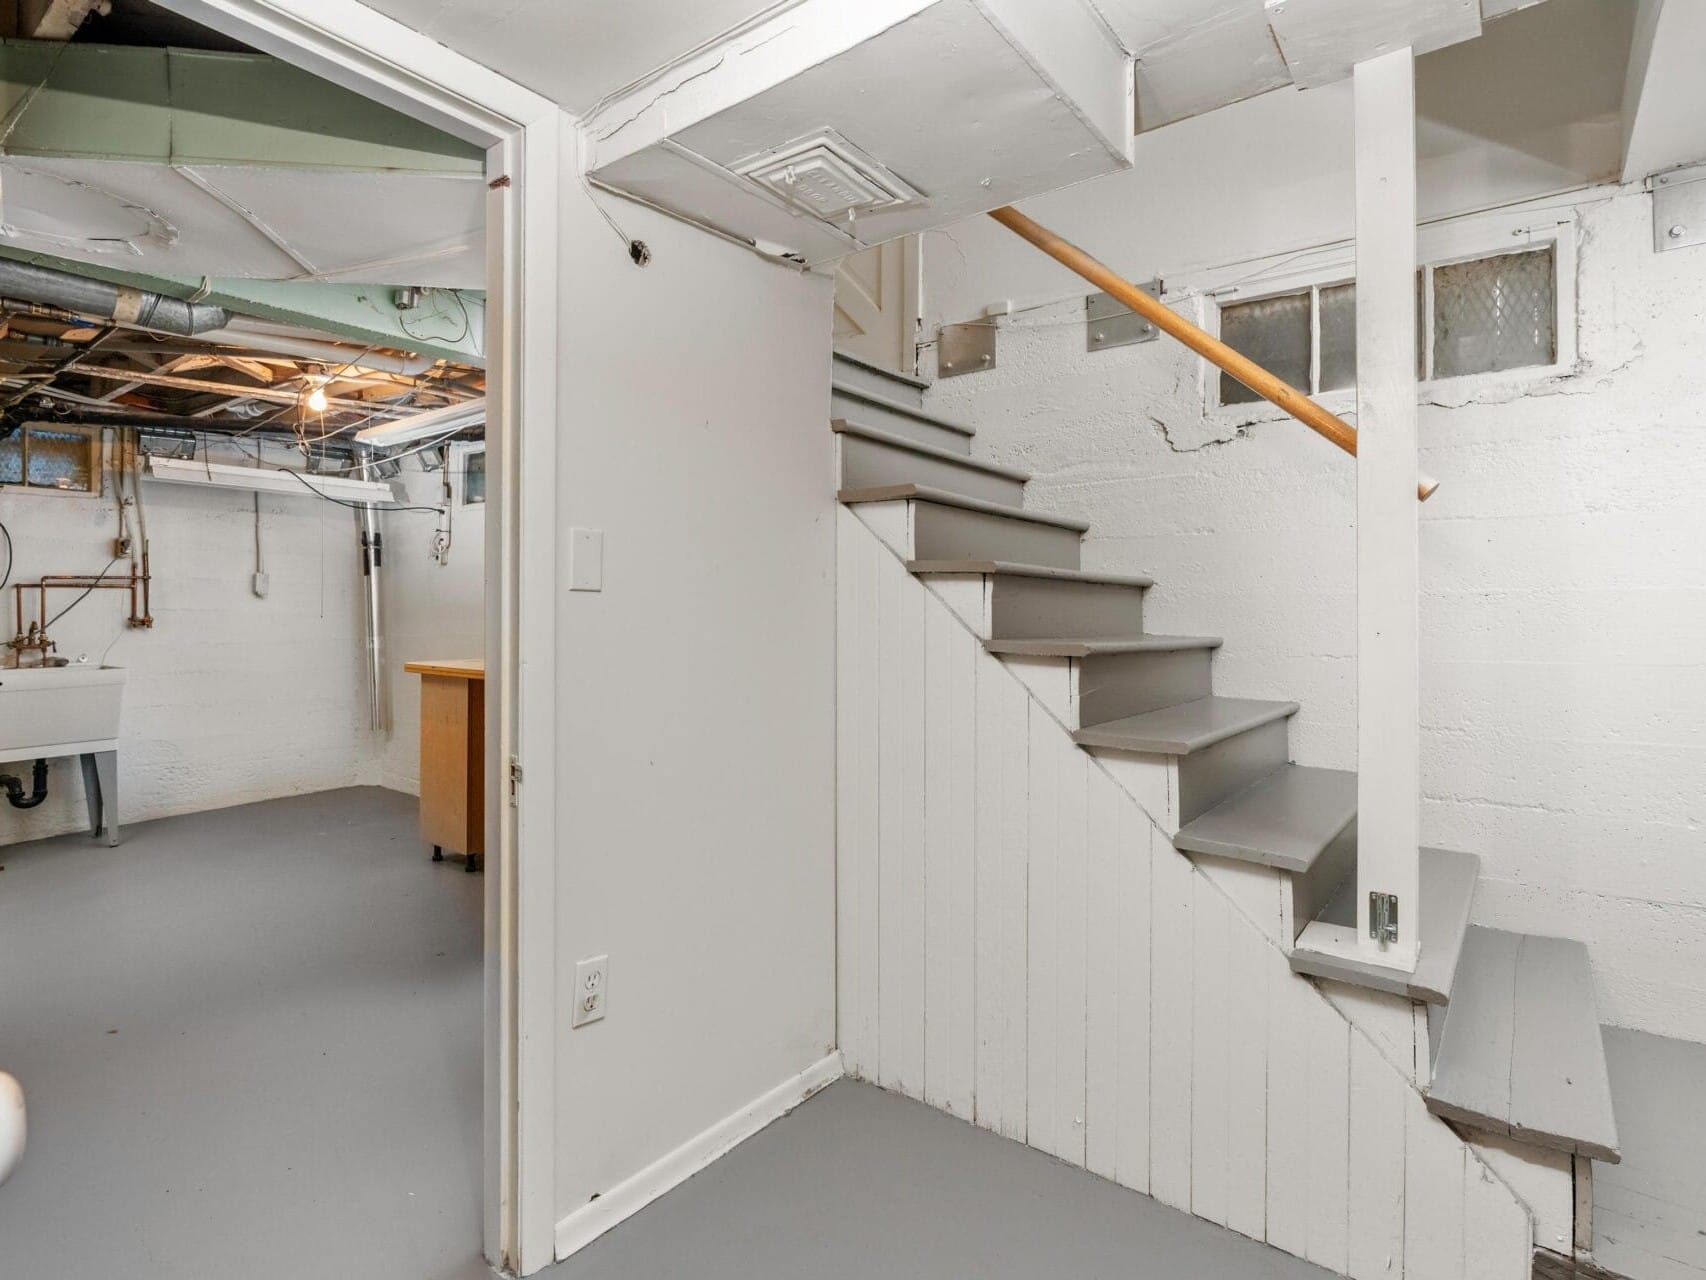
837, 126
221, 475
446, 420
1322, 40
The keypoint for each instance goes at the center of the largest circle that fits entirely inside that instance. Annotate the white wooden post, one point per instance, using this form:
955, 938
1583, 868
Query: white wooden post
1388, 572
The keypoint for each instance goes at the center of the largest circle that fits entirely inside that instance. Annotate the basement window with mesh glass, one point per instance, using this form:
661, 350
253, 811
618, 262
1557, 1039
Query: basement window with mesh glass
40, 456
1480, 315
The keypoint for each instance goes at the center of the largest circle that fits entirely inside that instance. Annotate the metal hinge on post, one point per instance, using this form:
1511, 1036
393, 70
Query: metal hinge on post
1383, 918
514, 781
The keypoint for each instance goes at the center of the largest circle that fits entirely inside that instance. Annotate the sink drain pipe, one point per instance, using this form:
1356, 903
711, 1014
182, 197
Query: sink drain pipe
15, 787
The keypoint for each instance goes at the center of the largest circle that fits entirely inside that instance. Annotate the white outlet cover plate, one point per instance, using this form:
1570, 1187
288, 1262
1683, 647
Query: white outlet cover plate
592, 990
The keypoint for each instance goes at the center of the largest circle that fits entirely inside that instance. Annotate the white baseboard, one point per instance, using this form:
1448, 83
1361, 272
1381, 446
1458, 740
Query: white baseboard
627, 1198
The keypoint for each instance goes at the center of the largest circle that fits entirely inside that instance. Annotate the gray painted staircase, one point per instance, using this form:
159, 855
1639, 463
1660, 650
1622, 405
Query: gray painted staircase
1520, 1011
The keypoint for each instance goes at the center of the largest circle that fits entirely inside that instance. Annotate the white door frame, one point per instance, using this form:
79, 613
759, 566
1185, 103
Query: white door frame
528, 140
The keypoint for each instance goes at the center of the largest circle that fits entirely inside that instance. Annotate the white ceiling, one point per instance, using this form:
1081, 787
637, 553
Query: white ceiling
574, 52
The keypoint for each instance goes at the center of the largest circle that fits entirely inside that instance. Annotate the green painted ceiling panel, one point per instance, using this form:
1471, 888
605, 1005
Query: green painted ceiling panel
189, 106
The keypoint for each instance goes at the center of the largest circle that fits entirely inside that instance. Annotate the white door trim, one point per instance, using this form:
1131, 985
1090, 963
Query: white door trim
529, 140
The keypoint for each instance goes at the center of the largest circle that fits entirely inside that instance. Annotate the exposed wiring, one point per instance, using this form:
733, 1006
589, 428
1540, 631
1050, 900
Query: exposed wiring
343, 502
7, 576
99, 578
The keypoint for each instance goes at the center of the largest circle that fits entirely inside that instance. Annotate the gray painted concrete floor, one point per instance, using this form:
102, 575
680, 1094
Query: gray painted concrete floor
249, 1042
859, 1183
1649, 1212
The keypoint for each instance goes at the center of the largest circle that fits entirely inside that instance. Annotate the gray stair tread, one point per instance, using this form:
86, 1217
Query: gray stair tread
1447, 889
943, 498
1184, 728
841, 357
1283, 821
1521, 1052
901, 407
1065, 648
1011, 569
843, 426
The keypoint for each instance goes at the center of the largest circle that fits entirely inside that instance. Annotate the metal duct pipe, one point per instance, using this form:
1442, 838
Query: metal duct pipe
283, 340
372, 560
118, 303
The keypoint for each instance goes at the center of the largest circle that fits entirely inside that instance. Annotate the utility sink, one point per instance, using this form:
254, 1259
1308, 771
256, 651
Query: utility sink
59, 711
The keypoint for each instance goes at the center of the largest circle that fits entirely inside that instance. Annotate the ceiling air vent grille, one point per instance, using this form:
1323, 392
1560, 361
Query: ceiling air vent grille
827, 176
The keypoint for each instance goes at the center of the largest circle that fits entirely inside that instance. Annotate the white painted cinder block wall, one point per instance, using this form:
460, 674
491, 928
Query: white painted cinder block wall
430, 610
230, 698
1564, 591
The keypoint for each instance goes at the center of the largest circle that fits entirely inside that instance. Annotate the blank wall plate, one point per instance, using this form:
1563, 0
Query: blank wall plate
586, 559
964, 348
592, 990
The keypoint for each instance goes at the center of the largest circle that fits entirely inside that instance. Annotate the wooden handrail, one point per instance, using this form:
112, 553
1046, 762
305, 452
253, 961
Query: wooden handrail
1206, 345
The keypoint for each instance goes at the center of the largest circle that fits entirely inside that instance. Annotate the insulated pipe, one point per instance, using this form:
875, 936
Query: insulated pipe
282, 340
119, 303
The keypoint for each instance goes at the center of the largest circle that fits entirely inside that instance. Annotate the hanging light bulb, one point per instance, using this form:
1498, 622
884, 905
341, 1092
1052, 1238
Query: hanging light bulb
317, 398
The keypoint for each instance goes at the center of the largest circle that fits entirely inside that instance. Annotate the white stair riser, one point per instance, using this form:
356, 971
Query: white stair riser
870, 463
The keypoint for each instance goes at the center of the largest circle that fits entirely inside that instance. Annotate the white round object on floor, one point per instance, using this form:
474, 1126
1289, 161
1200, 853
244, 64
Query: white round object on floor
11, 1125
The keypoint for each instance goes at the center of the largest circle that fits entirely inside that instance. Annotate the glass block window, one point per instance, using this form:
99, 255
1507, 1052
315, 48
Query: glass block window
1486, 315
1275, 333
1338, 337
44, 457
1494, 314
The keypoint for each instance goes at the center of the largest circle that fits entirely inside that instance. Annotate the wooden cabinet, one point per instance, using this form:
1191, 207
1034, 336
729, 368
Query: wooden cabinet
453, 756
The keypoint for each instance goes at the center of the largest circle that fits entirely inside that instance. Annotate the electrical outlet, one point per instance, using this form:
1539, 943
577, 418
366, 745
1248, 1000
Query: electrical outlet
592, 990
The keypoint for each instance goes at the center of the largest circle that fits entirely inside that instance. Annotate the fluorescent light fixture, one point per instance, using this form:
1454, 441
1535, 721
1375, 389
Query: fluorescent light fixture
222, 475
445, 421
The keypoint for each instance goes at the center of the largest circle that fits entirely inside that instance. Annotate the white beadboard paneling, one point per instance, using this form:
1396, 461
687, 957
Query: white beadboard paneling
900, 726
939, 751
856, 805
1252, 964
1211, 1030
1497, 1232
1327, 1099
1103, 976
1021, 944
1138, 839
1171, 995
1072, 856
1042, 1108
963, 652
1377, 1099
1434, 1166
1288, 1117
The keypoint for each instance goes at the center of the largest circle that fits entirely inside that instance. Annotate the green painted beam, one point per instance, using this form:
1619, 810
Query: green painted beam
188, 106
450, 325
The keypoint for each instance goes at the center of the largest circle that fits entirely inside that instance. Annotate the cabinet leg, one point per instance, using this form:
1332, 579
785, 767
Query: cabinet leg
473, 863
437, 853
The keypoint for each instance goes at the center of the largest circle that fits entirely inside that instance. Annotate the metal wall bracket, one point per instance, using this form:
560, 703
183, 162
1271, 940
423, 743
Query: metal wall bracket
965, 348
1383, 918
1110, 323
1679, 208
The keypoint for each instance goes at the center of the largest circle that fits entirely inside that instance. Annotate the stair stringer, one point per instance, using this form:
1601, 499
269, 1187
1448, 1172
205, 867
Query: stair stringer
1019, 944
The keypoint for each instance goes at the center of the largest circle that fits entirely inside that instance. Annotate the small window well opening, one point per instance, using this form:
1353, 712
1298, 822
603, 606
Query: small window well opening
64, 459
